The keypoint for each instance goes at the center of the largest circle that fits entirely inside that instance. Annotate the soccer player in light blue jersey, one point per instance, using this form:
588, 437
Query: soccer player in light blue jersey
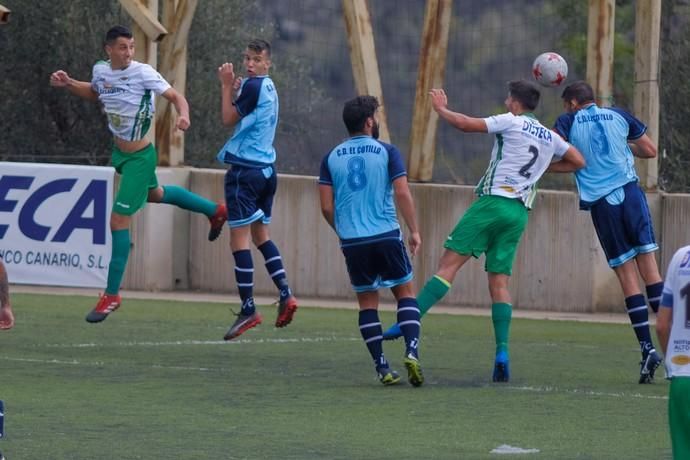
523, 151
608, 138
360, 183
127, 89
673, 330
250, 106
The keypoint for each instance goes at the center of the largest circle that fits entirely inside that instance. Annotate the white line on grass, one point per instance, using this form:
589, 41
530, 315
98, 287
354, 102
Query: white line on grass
584, 392
202, 342
545, 389
74, 362
508, 449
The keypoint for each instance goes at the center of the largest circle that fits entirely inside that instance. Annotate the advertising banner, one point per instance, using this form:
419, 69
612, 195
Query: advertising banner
54, 223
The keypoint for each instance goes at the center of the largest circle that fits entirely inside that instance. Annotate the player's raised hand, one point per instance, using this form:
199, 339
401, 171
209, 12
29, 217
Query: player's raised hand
439, 100
59, 79
226, 74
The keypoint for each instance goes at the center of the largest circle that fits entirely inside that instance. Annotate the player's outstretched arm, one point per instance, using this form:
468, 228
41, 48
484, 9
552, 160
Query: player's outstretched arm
439, 101
327, 206
571, 162
181, 105
643, 147
405, 203
83, 89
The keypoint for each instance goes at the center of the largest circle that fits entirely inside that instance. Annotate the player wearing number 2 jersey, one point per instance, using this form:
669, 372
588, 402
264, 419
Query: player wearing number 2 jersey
522, 152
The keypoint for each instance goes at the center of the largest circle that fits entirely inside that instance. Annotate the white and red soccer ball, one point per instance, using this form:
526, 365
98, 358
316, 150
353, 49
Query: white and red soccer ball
550, 69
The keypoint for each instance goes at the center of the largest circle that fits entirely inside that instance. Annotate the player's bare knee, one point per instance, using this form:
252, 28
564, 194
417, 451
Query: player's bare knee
155, 195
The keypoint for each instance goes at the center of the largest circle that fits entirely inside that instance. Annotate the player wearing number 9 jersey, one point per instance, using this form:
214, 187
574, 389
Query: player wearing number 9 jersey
610, 138
523, 150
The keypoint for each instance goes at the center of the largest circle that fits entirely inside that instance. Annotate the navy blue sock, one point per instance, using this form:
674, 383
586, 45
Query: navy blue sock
654, 295
639, 318
244, 275
274, 265
408, 320
370, 328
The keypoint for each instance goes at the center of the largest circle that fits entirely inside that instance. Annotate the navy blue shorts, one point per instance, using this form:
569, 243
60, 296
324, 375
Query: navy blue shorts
249, 194
377, 262
624, 225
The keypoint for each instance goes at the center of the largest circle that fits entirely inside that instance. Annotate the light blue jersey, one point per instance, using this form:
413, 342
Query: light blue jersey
602, 135
251, 144
361, 171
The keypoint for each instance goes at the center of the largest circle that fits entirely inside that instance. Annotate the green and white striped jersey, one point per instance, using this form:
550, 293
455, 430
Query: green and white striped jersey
523, 150
676, 295
126, 95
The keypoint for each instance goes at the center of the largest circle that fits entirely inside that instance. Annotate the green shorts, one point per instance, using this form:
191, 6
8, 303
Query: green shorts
679, 416
138, 176
492, 225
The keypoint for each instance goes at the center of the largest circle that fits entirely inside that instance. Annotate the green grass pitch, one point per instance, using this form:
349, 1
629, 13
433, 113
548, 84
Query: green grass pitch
156, 381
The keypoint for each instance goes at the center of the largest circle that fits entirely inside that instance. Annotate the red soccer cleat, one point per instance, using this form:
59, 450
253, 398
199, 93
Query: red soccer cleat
286, 310
107, 304
217, 222
242, 324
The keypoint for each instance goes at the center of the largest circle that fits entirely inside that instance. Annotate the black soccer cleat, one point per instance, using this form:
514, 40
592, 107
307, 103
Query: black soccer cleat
648, 366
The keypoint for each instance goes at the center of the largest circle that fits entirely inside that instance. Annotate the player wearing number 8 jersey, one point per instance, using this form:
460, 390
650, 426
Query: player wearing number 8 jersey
523, 151
360, 182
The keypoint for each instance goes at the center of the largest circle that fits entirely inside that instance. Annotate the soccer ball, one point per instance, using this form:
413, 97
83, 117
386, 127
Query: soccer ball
550, 69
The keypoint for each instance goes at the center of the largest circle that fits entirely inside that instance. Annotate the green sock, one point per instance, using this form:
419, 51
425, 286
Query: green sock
500, 314
432, 292
173, 194
118, 260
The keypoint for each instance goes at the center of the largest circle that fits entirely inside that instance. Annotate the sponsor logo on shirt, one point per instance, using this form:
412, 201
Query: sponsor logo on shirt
681, 360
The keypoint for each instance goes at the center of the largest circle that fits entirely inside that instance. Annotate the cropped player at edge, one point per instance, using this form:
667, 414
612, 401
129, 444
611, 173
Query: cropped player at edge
359, 181
673, 330
523, 151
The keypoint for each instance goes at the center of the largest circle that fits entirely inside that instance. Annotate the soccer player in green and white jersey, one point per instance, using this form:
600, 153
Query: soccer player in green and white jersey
126, 88
524, 149
673, 330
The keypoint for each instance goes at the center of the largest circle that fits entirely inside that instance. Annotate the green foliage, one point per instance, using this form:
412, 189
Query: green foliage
218, 34
155, 381
41, 123
674, 137
490, 43
574, 41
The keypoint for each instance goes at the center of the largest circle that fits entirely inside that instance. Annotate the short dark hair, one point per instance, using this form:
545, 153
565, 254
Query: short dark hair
258, 45
116, 32
525, 92
357, 110
580, 91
